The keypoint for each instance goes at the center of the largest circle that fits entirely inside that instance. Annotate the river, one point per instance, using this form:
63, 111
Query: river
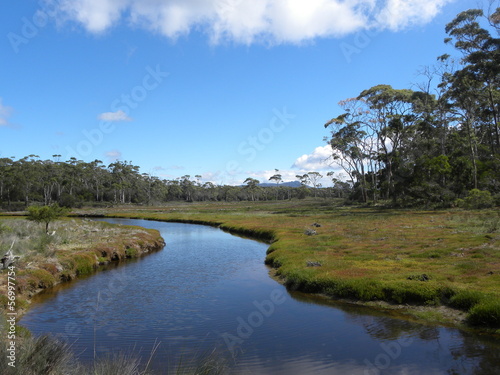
208, 290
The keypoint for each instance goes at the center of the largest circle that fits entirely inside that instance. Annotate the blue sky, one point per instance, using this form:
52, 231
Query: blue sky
226, 89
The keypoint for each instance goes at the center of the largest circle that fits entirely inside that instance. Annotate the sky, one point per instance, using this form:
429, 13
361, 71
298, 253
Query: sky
225, 89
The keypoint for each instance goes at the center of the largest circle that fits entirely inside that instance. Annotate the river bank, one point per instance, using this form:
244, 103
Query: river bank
76, 248
435, 266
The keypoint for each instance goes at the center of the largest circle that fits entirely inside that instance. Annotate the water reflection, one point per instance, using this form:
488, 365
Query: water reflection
208, 289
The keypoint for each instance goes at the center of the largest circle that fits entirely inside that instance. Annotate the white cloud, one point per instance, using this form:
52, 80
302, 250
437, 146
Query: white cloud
318, 160
399, 14
114, 116
113, 155
249, 21
5, 113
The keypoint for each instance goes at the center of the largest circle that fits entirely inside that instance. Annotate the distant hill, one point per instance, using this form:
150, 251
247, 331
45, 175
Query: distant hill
293, 184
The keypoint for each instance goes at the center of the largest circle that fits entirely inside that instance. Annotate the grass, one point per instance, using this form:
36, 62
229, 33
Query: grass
366, 254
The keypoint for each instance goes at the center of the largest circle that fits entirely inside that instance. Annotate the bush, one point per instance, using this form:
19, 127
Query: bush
45, 214
466, 299
479, 199
13, 206
70, 201
486, 314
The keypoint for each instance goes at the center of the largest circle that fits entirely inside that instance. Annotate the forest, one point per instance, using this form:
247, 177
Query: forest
434, 145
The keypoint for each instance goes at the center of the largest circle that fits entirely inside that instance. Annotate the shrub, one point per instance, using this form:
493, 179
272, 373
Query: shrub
479, 199
466, 299
486, 314
45, 214
131, 252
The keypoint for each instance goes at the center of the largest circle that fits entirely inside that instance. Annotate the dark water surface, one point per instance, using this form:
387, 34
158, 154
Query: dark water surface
208, 289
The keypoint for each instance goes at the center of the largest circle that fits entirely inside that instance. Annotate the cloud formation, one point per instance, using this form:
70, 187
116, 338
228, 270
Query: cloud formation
114, 116
5, 113
249, 21
315, 161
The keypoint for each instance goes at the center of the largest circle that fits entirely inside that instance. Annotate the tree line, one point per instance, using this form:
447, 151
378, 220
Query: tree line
74, 183
437, 142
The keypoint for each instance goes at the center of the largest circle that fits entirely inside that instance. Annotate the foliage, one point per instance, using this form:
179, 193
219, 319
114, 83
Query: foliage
76, 183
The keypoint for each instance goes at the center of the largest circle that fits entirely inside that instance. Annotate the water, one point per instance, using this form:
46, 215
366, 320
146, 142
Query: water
208, 289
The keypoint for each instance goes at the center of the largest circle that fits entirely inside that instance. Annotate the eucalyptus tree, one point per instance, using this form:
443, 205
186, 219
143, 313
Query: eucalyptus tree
187, 187
277, 178
315, 177
252, 186
351, 143
6, 179
473, 92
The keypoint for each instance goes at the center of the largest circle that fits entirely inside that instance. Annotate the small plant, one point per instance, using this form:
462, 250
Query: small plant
45, 214
422, 277
40, 278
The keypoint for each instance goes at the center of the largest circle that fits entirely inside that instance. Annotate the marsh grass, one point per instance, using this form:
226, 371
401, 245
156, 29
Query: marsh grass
485, 314
466, 299
45, 355
40, 356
